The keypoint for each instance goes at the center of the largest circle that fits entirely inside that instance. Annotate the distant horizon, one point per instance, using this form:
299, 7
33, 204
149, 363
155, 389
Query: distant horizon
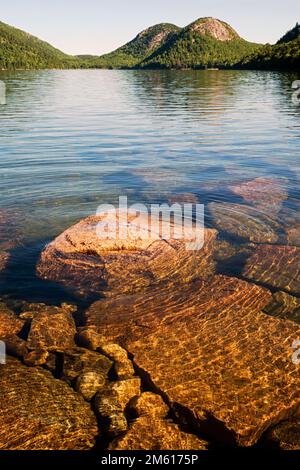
91, 29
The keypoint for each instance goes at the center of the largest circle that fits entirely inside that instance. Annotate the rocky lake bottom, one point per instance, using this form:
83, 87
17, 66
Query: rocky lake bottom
149, 345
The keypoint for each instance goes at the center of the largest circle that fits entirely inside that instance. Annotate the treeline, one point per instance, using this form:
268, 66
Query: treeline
20, 50
192, 50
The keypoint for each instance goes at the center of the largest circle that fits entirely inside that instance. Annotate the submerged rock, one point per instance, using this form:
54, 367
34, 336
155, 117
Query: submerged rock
212, 352
293, 235
284, 306
286, 435
10, 324
89, 383
52, 329
275, 266
122, 364
246, 222
263, 193
38, 412
78, 360
90, 265
150, 431
126, 318
110, 404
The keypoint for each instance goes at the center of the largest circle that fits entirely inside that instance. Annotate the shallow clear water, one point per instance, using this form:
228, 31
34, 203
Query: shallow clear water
71, 140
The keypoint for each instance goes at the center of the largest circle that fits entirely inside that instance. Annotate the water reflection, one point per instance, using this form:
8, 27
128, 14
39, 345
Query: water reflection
70, 140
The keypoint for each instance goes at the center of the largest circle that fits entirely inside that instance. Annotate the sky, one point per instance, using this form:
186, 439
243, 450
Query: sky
97, 27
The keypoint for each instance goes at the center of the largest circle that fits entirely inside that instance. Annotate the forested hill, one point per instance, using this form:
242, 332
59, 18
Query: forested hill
20, 50
207, 42
137, 50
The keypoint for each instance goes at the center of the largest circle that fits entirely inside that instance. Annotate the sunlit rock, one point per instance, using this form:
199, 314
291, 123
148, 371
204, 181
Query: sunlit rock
150, 431
36, 358
10, 324
38, 412
52, 329
89, 264
89, 383
122, 364
78, 360
149, 404
111, 402
212, 352
275, 266
126, 318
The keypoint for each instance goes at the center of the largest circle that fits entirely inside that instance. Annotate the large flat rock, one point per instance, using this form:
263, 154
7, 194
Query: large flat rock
276, 266
211, 352
267, 193
126, 318
81, 260
38, 412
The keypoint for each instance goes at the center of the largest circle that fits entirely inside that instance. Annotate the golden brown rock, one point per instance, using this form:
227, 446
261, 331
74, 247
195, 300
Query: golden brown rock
127, 318
122, 364
36, 358
111, 402
38, 412
211, 351
89, 383
149, 404
81, 260
10, 324
247, 222
150, 433
276, 266
79, 360
52, 329
286, 435
89, 338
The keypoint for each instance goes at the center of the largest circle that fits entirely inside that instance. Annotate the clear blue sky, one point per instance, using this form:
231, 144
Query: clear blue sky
97, 26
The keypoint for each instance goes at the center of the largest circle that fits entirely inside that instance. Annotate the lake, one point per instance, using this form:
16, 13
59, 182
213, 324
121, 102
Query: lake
71, 140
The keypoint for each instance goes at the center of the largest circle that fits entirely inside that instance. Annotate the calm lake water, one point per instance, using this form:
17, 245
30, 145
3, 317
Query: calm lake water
71, 140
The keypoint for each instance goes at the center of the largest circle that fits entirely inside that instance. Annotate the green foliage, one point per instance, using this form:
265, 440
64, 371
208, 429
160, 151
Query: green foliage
283, 56
190, 49
20, 50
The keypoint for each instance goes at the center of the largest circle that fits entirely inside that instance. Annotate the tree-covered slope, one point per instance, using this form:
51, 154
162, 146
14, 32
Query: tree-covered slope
20, 50
292, 34
138, 49
207, 42
285, 55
